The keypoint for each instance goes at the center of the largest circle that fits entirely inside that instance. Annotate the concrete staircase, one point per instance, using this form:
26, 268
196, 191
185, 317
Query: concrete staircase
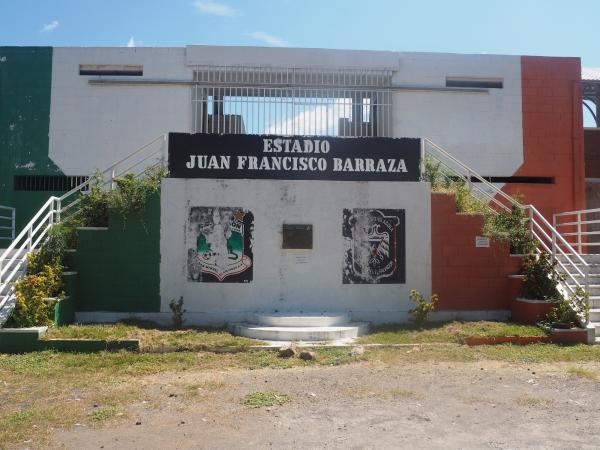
300, 327
593, 289
7, 301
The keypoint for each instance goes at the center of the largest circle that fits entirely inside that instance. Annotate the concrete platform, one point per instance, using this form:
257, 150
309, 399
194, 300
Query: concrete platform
298, 328
301, 319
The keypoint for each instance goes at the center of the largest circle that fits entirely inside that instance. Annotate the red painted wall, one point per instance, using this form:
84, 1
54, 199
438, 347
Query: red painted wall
552, 134
592, 153
470, 278
466, 277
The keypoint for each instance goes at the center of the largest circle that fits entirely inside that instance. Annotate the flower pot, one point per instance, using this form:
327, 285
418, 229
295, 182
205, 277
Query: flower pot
573, 335
529, 311
563, 325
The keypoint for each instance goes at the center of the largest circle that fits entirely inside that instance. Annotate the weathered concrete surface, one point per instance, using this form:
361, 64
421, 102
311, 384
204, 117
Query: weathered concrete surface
368, 405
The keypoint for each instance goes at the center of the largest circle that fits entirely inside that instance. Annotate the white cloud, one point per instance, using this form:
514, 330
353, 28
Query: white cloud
132, 42
215, 8
50, 26
318, 120
268, 39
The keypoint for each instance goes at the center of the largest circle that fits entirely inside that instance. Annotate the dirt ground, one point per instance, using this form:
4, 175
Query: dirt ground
363, 405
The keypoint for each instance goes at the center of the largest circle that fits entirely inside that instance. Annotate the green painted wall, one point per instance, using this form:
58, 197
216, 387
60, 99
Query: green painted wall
25, 85
118, 269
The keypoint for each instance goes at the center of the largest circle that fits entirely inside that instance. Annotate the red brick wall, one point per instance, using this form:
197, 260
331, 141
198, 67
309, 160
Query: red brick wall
592, 153
552, 134
466, 277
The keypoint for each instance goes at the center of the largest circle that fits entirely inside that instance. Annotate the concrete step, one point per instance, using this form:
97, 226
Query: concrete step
596, 326
595, 302
301, 319
594, 277
593, 289
589, 258
595, 315
306, 334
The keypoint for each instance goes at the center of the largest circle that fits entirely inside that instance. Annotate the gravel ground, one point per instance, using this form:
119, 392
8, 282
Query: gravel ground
363, 405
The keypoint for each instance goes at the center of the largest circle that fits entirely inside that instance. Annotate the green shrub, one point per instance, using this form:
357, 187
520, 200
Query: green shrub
421, 311
51, 252
93, 208
572, 311
31, 308
128, 198
177, 311
510, 227
541, 278
466, 202
131, 195
433, 174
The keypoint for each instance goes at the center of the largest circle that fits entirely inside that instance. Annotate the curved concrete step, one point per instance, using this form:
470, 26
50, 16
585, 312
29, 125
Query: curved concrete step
301, 319
314, 334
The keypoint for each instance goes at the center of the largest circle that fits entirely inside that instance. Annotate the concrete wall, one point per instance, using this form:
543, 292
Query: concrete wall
484, 130
92, 126
552, 135
25, 80
293, 280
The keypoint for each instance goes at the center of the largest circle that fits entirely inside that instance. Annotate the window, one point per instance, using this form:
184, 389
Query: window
297, 236
484, 83
60, 183
292, 101
111, 69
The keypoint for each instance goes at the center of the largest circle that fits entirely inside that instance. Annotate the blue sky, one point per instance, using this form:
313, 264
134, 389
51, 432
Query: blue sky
533, 27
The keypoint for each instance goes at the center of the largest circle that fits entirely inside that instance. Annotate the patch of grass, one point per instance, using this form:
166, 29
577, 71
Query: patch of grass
104, 413
205, 387
324, 356
582, 373
530, 401
112, 379
155, 339
533, 353
402, 393
267, 398
33, 424
446, 332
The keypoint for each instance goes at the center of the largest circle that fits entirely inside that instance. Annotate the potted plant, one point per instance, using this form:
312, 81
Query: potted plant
572, 312
568, 317
539, 289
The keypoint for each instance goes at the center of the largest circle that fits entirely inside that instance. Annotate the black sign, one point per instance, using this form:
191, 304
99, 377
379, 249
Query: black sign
375, 246
293, 158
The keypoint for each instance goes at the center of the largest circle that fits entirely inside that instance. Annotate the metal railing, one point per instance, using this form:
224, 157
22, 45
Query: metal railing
7, 222
292, 101
580, 228
549, 240
14, 259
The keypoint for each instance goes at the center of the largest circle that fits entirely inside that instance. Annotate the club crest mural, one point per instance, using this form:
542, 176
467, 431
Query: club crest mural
374, 246
219, 243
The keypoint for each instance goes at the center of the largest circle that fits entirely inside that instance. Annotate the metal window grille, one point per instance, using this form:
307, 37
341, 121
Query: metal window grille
58, 183
292, 101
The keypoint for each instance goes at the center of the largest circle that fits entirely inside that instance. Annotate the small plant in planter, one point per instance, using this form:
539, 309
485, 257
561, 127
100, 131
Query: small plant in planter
540, 278
570, 312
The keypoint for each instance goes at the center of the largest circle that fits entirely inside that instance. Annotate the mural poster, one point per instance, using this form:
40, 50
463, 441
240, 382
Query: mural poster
219, 241
375, 246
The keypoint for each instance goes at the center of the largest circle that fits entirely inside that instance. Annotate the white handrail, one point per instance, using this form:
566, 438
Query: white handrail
12, 220
36, 230
580, 225
546, 234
